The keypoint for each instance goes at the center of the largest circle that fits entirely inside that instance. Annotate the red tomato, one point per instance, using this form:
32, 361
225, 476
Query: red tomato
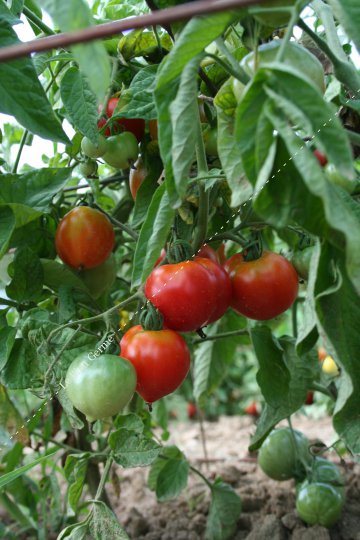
309, 398
160, 258
221, 253
153, 130
191, 410
322, 159
263, 288
252, 409
208, 253
189, 294
84, 238
134, 125
161, 360
136, 177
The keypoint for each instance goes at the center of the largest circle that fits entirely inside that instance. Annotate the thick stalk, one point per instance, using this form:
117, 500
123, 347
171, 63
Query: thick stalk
21, 146
30, 15
203, 210
344, 71
101, 486
238, 72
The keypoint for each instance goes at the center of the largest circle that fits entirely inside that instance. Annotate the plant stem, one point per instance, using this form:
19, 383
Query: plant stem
203, 210
95, 318
196, 471
228, 236
221, 336
294, 319
289, 30
317, 387
344, 71
120, 225
37, 21
238, 72
21, 146
103, 478
58, 443
104, 182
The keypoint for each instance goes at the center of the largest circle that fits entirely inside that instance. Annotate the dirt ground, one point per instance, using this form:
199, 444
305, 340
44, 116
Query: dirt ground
268, 507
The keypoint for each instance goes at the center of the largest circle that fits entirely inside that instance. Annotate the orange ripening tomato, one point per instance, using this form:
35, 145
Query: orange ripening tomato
153, 130
161, 360
84, 238
322, 354
263, 288
252, 409
137, 175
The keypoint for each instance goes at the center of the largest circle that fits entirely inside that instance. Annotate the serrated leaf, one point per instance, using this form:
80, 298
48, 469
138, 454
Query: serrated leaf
22, 95
168, 452
133, 449
131, 422
27, 282
92, 57
153, 235
172, 479
75, 471
225, 509
80, 103
104, 524
138, 100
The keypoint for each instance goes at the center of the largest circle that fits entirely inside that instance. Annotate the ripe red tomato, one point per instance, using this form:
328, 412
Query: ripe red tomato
189, 294
309, 398
208, 253
161, 360
84, 238
263, 288
136, 177
191, 410
160, 258
252, 409
134, 125
322, 159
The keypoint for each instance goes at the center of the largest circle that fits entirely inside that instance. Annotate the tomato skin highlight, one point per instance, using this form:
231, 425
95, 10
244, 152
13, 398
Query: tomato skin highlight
84, 238
189, 294
161, 360
319, 503
262, 288
134, 125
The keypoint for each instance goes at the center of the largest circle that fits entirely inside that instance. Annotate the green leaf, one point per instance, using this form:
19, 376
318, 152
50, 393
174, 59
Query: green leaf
153, 235
74, 421
137, 101
92, 57
229, 154
339, 219
27, 282
11, 419
172, 479
75, 471
225, 509
142, 42
7, 227
133, 449
78, 531
80, 103
22, 96
30, 194
66, 305
167, 453
284, 379
213, 357
131, 422
104, 524
7, 15
348, 13
337, 305
5, 479
7, 340
57, 274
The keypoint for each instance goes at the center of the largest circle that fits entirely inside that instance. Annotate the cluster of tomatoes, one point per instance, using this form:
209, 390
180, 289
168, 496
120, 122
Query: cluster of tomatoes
320, 493
189, 295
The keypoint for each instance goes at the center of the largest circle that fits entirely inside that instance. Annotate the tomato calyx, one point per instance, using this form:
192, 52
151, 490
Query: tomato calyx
179, 251
151, 318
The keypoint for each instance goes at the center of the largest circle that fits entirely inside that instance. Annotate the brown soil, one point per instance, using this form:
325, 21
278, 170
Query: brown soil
268, 507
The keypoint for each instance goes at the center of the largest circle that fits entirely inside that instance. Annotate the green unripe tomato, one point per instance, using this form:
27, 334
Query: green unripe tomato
301, 261
325, 472
319, 504
274, 20
295, 56
337, 179
93, 150
279, 458
101, 278
88, 168
210, 139
122, 150
100, 386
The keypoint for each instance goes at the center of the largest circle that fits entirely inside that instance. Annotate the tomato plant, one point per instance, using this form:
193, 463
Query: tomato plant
301, 261
197, 292
137, 175
274, 20
262, 288
161, 360
101, 278
84, 238
136, 126
94, 150
284, 454
320, 504
100, 387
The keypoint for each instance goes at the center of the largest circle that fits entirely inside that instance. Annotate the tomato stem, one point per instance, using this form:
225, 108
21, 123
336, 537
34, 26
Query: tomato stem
220, 336
233, 68
103, 478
